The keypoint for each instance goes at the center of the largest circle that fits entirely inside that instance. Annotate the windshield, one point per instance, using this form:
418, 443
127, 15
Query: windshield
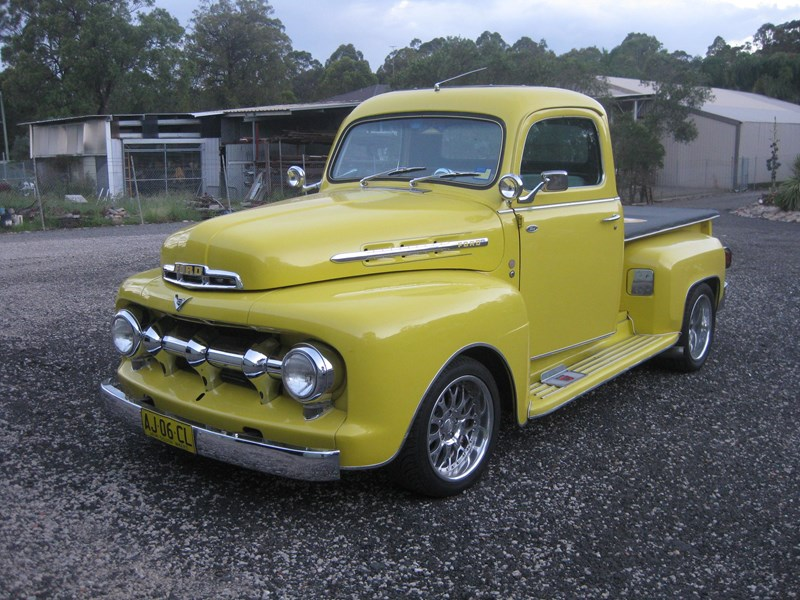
460, 150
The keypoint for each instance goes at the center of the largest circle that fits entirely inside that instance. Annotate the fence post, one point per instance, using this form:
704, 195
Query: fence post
136, 185
37, 193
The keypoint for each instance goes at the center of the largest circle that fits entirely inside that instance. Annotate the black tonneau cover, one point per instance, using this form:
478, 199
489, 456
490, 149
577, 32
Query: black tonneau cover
644, 221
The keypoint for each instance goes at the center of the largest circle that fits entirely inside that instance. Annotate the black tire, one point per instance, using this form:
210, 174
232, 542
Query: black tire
697, 332
453, 433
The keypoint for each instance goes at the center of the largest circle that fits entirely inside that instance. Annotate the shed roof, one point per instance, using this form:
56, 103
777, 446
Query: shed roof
743, 107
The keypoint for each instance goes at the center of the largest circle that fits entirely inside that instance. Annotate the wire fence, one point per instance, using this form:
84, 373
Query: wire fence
69, 192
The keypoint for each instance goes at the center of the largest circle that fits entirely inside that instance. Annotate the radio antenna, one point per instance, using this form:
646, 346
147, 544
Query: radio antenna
437, 86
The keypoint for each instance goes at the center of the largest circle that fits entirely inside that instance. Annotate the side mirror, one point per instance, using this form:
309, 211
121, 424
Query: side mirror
555, 181
552, 181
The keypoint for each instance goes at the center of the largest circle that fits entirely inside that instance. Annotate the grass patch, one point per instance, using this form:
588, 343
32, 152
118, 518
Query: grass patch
60, 213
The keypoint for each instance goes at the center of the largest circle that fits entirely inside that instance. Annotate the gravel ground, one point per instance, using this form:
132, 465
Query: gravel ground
656, 485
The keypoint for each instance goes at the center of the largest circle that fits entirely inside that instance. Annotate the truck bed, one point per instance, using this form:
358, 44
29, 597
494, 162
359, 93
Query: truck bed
644, 221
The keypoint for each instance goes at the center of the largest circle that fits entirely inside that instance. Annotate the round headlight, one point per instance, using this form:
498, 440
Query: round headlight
306, 373
126, 332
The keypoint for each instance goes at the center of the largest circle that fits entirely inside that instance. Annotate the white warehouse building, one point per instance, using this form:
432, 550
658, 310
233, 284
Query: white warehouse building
735, 130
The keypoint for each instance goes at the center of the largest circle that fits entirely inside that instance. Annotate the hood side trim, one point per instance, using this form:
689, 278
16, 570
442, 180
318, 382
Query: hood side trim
409, 250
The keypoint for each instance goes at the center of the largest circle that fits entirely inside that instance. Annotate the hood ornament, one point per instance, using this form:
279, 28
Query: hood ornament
180, 302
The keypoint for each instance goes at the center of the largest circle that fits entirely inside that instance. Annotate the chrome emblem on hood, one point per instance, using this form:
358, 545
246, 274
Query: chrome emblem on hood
201, 277
179, 302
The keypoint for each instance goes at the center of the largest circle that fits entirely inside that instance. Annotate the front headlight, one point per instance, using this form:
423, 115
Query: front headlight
307, 373
126, 332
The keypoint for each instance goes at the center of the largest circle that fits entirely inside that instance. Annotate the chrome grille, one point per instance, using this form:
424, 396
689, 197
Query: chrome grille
249, 354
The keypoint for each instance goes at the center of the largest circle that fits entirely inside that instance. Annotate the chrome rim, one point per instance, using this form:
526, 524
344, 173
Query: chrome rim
700, 323
460, 428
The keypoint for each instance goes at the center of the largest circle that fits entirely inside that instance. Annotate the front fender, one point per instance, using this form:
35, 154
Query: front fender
395, 333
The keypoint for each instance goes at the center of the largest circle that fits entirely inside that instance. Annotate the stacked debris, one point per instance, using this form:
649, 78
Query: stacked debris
117, 216
9, 217
208, 206
258, 191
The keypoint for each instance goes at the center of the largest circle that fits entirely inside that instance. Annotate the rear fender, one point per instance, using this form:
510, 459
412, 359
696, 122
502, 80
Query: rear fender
679, 260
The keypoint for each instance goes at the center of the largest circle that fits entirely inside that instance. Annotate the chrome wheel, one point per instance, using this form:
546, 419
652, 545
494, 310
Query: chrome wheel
460, 428
453, 433
701, 324
697, 331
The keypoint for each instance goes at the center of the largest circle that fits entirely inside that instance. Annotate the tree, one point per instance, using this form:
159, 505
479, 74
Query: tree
638, 152
532, 63
633, 56
677, 86
719, 64
67, 57
424, 64
769, 66
160, 81
346, 70
771, 39
308, 73
240, 54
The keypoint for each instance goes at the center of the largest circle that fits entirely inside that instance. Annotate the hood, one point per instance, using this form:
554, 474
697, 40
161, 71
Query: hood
342, 234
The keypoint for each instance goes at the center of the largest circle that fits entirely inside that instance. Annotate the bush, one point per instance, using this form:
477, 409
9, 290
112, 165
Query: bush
788, 195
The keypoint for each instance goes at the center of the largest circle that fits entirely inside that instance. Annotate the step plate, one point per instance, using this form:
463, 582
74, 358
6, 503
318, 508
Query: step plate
563, 378
563, 384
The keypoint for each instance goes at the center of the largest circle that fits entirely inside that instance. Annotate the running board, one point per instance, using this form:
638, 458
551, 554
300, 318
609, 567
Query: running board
564, 383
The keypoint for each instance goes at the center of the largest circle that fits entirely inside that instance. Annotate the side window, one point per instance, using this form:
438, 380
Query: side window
568, 144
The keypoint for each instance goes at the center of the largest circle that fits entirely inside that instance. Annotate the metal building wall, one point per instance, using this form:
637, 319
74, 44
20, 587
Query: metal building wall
211, 167
706, 162
755, 149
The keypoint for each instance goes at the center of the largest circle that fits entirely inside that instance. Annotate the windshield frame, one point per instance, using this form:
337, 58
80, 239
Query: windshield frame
407, 176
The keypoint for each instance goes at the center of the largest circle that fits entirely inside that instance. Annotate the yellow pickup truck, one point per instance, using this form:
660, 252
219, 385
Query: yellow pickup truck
465, 257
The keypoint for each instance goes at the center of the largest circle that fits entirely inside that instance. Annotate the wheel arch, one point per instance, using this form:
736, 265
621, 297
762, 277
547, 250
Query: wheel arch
495, 362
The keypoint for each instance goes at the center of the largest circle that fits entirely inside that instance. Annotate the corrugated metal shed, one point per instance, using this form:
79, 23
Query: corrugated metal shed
735, 130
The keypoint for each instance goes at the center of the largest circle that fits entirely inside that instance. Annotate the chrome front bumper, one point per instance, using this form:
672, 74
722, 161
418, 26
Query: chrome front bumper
243, 451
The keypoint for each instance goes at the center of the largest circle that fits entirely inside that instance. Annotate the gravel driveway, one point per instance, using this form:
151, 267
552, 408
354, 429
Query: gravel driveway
656, 485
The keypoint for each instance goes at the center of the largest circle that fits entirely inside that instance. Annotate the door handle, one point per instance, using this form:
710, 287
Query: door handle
611, 219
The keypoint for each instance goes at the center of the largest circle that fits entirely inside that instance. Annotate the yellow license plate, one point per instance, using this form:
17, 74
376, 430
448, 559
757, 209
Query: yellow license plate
168, 430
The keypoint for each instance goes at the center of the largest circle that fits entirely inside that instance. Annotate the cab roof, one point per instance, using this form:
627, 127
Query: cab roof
509, 103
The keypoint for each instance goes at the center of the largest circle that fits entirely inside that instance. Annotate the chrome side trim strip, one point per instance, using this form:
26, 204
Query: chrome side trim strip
578, 345
236, 449
559, 205
409, 250
660, 231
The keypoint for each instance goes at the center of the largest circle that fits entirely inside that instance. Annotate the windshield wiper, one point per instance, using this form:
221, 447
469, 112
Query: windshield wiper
389, 173
446, 175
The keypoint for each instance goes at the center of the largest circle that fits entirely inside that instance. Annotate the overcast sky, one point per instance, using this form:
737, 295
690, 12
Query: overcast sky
375, 27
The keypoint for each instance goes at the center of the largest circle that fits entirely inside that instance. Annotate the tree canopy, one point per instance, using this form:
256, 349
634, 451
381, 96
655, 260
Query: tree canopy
86, 56
73, 57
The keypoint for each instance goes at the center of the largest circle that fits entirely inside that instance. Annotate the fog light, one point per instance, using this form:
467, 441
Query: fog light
126, 332
306, 373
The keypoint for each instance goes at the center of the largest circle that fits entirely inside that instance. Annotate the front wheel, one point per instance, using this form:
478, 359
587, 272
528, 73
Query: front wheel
453, 434
697, 333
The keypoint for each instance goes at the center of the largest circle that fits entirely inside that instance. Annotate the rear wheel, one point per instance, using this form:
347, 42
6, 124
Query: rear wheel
453, 433
697, 333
